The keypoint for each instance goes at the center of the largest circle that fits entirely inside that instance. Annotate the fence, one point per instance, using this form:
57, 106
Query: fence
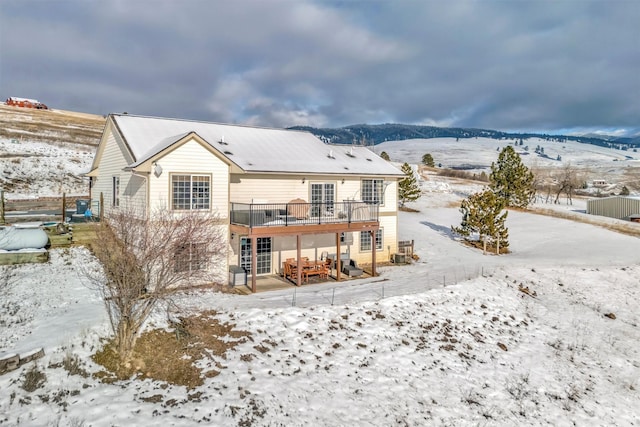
372, 289
299, 213
61, 209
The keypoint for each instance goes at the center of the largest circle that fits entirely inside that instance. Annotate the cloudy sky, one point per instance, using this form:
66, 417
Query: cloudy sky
523, 65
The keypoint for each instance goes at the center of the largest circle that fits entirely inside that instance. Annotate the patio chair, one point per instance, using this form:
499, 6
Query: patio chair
298, 208
290, 269
351, 269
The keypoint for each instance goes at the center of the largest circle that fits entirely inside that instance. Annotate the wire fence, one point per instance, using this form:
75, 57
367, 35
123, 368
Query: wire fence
371, 289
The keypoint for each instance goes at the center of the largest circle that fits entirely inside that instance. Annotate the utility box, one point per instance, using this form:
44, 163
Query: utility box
81, 206
399, 258
237, 276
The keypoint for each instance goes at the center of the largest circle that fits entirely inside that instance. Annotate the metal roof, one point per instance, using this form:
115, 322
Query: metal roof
253, 149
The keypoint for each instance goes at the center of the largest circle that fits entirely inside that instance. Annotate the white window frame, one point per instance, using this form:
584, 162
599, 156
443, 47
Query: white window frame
327, 198
191, 201
115, 191
374, 194
365, 237
191, 257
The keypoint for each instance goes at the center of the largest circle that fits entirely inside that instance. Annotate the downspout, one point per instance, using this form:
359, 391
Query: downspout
145, 176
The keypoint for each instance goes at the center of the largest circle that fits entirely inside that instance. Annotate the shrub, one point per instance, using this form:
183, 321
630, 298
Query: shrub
34, 378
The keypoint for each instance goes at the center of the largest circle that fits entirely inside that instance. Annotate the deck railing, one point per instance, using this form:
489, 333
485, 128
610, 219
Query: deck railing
290, 214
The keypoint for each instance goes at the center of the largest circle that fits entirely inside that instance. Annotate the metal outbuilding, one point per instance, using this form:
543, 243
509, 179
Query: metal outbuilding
620, 207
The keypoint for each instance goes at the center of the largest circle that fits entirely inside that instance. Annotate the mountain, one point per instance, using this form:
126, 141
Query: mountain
376, 134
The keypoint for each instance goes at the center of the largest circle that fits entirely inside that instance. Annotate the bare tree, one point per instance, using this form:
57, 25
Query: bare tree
568, 180
147, 260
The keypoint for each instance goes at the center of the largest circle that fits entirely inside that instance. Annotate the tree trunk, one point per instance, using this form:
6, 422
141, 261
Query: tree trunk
126, 337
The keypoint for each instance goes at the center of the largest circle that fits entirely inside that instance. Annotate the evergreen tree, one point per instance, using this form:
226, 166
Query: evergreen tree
385, 156
511, 180
483, 214
427, 160
624, 191
408, 188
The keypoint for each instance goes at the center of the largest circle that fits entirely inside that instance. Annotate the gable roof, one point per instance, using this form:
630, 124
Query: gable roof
252, 149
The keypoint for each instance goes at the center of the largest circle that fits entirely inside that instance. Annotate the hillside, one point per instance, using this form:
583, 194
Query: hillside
617, 167
377, 134
45, 152
53, 126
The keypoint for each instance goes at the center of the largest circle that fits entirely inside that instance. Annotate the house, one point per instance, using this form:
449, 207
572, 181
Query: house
26, 103
281, 193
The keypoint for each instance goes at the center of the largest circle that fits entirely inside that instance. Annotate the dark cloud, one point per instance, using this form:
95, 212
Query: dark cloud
512, 65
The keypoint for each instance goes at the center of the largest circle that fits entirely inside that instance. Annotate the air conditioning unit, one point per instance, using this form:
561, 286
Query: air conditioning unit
399, 258
237, 276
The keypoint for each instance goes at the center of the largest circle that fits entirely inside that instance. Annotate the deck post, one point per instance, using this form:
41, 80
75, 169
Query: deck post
299, 259
373, 252
64, 212
1, 206
338, 260
254, 264
101, 207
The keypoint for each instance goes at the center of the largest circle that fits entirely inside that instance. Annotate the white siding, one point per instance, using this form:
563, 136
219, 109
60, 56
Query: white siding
112, 163
284, 188
191, 158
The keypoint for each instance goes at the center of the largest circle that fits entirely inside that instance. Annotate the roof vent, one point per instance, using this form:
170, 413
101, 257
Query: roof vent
222, 141
228, 153
331, 154
350, 153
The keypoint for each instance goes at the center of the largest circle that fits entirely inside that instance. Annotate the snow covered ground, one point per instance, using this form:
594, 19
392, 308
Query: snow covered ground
38, 169
44, 152
546, 335
592, 162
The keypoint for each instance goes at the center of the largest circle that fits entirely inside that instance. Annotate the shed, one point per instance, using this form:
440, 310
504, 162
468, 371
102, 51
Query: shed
619, 207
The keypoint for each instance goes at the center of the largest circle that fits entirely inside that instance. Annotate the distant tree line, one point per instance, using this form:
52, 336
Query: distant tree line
376, 134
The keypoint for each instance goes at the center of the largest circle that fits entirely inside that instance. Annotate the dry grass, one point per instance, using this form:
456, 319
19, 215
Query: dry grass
629, 228
464, 175
52, 126
407, 209
170, 356
491, 249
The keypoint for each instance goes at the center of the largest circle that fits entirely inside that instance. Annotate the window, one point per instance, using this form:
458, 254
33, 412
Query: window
191, 192
263, 258
115, 191
190, 257
322, 199
365, 240
372, 191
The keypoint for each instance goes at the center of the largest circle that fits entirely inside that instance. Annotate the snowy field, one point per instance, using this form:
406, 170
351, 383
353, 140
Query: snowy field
454, 153
40, 169
592, 162
546, 335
